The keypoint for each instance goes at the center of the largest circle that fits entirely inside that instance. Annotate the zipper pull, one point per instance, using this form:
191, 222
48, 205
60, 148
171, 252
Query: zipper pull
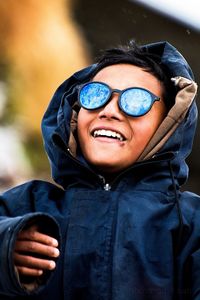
107, 187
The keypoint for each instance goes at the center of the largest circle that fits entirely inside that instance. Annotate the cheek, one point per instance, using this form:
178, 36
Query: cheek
148, 124
143, 129
81, 121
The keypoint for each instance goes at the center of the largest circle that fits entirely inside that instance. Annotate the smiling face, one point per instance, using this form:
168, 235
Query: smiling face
110, 139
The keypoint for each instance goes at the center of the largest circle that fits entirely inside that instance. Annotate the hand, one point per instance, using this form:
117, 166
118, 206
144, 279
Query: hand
29, 242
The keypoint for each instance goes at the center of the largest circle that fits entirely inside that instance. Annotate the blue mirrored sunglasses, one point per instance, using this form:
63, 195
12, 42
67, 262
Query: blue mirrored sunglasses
133, 101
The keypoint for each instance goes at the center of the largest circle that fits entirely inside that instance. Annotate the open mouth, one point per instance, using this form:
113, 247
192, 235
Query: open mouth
108, 133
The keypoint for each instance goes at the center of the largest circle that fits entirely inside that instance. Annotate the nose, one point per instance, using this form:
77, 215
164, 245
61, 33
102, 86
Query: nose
111, 109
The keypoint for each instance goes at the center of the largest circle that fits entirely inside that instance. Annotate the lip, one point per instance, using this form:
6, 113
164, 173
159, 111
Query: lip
106, 138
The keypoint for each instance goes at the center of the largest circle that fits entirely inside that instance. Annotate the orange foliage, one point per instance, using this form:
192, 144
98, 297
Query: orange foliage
41, 45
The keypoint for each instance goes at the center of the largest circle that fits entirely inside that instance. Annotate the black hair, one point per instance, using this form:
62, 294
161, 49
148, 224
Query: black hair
140, 57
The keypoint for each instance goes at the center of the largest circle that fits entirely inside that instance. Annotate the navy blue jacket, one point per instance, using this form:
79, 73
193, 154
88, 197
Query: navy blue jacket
137, 238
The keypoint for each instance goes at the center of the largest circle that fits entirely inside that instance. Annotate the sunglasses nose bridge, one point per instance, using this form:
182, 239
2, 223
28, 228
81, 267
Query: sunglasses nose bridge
114, 91
111, 107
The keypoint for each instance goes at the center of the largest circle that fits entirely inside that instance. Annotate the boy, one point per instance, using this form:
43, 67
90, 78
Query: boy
117, 134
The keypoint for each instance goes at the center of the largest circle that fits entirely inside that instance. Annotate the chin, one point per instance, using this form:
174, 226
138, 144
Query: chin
107, 163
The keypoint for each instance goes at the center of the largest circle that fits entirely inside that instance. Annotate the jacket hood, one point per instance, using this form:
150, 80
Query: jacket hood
174, 136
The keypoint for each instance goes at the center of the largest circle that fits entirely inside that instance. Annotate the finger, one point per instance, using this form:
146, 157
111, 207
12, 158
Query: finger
33, 262
35, 247
24, 271
32, 234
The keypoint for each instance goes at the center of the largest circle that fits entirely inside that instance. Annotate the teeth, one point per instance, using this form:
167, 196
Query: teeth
108, 133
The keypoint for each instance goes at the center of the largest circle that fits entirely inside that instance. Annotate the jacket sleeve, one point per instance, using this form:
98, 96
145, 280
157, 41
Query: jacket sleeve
195, 275
189, 259
10, 225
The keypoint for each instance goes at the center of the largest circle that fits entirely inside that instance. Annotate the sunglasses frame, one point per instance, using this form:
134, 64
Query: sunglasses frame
120, 92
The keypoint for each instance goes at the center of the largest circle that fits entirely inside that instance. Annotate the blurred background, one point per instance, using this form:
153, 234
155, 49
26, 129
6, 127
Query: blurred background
44, 42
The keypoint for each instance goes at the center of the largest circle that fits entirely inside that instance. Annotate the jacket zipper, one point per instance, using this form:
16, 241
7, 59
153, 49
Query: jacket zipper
106, 186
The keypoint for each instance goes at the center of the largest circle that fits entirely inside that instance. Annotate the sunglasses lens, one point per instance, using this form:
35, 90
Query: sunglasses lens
93, 95
136, 102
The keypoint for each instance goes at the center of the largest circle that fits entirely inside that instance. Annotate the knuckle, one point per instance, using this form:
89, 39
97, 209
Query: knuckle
31, 246
32, 235
21, 270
